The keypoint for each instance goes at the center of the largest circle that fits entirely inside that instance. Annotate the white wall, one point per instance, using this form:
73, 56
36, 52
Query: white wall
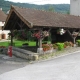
4, 31
2, 23
75, 7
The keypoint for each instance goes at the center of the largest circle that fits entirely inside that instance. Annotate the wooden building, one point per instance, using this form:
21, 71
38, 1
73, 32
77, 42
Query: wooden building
3, 34
25, 18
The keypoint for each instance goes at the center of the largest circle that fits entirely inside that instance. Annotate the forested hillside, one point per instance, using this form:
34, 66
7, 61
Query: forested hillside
63, 8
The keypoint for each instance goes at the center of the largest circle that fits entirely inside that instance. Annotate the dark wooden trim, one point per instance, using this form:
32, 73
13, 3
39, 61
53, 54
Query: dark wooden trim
30, 25
11, 38
21, 24
70, 34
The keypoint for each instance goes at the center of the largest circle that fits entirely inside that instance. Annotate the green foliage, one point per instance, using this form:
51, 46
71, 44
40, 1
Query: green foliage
60, 46
21, 35
62, 8
78, 42
51, 9
68, 12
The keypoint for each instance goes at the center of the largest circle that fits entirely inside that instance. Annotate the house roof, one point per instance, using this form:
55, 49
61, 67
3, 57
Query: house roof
2, 16
38, 18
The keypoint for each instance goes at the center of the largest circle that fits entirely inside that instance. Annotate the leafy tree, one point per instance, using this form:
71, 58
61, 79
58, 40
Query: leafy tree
68, 12
51, 8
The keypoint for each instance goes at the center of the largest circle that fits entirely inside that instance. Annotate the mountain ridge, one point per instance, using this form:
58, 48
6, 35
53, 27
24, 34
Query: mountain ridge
62, 8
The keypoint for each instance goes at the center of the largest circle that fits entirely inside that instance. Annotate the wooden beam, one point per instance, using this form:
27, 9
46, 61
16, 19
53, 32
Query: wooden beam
70, 34
21, 24
40, 40
29, 24
11, 38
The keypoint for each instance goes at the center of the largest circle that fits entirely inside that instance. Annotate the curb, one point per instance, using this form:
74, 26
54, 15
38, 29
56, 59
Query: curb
54, 57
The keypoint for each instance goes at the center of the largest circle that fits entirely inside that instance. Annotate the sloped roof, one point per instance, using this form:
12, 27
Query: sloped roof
39, 18
2, 16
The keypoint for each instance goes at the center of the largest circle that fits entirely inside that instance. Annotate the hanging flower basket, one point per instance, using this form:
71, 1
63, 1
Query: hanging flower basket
61, 31
45, 33
39, 35
36, 34
75, 34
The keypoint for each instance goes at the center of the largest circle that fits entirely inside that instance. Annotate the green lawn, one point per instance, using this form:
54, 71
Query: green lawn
17, 43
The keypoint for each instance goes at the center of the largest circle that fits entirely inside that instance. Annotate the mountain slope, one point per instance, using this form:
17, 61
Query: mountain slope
63, 8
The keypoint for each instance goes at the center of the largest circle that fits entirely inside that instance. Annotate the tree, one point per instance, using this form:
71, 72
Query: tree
68, 12
51, 8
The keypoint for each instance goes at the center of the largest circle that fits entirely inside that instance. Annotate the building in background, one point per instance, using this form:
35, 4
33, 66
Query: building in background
75, 7
4, 33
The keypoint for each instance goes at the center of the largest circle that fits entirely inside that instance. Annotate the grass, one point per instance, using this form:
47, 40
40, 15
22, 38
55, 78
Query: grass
17, 43
4, 43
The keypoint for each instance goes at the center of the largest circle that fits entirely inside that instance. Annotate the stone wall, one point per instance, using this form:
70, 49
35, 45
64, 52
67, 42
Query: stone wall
24, 54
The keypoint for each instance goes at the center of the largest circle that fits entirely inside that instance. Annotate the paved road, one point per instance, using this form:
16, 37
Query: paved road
62, 68
11, 63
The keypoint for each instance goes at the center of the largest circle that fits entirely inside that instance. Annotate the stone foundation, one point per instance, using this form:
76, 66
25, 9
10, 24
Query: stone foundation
24, 54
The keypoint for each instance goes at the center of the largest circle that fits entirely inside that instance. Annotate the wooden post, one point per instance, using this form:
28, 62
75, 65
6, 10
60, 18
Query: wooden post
40, 43
40, 40
11, 38
74, 39
40, 49
37, 42
75, 34
70, 34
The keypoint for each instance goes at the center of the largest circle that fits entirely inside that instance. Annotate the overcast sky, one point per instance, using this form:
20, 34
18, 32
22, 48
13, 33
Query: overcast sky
39, 2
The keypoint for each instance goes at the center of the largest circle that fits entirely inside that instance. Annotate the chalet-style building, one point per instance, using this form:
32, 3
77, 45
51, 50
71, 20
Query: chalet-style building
3, 34
31, 19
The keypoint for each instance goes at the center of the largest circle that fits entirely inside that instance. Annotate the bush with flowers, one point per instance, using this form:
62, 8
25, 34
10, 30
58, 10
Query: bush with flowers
55, 46
58, 46
78, 42
47, 47
68, 44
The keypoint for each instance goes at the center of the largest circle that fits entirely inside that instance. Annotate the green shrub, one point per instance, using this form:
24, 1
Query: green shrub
78, 42
60, 46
